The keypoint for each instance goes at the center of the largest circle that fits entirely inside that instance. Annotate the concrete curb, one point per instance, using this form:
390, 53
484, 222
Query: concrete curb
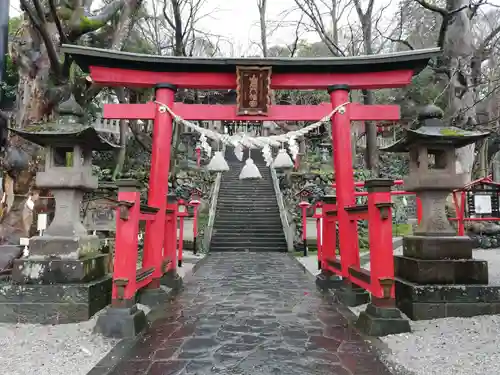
396, 242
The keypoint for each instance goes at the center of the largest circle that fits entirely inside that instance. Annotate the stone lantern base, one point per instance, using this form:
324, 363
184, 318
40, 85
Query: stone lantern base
436, 277
55, 291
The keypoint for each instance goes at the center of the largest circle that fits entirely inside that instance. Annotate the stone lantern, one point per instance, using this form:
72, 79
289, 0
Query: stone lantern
435, 260
325, 150
66, 254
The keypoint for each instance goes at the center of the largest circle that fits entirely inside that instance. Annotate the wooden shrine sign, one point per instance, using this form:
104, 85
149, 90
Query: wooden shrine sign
100, 215
253, 90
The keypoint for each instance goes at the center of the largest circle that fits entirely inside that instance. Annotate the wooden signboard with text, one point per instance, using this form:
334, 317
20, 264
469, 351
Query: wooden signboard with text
253, 90
100, 215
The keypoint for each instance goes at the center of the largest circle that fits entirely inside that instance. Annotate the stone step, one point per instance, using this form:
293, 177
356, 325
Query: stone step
242, 214
269, 249
244, 193
245, 206
255, 203
246, 185
231, 225
245, 217
266, 177
236, 177
268, 200
242, 225
247, 241
248, 211
250, 232
236, 185
229, 231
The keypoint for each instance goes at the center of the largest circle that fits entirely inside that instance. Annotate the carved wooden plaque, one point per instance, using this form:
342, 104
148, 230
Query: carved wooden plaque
101, 216
253, 90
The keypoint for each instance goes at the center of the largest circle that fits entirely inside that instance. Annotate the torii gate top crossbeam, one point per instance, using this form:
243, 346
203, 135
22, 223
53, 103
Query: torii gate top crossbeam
114, 68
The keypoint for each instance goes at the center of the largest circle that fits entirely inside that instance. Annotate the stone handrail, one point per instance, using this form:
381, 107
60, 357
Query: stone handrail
211, 213
287, 229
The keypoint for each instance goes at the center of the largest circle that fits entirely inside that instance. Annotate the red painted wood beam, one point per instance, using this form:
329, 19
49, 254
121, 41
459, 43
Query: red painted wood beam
223, 81
206, 112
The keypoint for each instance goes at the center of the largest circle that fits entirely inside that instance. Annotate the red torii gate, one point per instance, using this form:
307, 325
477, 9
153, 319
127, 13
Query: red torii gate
166, 74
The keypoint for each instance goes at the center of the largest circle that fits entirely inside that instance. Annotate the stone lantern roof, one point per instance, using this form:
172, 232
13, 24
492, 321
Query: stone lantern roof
432, 130
67, 131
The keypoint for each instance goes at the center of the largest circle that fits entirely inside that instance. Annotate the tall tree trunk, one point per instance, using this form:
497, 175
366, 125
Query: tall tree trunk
462, 92
44, 81
366, 21
262, 5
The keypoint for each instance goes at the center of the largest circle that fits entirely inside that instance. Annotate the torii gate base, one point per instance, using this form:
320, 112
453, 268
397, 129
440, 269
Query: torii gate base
336, 75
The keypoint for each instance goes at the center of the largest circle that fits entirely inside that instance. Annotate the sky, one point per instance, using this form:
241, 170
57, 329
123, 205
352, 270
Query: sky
237, 20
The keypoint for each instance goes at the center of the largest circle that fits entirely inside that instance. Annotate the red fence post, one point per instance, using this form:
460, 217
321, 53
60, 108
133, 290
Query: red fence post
419, 210
318, 216
158, 180
126, 244
342, 156
169, 245
380, 238
328, 248
461, 214
198, 155
195, 202
170, 276
381, 316
303, 207
123, 318
181, 213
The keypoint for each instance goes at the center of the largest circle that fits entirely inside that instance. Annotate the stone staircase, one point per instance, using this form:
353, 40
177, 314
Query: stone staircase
247, 216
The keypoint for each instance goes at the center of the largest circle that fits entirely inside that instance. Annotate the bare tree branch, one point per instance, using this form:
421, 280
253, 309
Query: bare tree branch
57, 21
85, 23
311, 10
446, 17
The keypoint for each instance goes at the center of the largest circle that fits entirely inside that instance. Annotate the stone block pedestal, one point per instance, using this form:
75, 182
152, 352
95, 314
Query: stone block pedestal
51, 271
172, 280
423, 302
53, 303
382, 320
436, 277
352, 295
55, 291
441, 271
121, 322
328, 280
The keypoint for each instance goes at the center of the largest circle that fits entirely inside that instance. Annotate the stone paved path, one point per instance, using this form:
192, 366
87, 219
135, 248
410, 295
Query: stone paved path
251, 314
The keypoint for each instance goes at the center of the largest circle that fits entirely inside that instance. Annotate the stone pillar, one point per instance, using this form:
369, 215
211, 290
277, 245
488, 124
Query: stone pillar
381, 316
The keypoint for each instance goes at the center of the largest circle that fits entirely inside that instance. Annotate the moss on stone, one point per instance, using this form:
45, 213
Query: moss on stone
452, 132
88, 24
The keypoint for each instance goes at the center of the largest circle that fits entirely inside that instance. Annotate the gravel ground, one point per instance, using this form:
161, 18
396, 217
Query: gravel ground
27, 349
451, 346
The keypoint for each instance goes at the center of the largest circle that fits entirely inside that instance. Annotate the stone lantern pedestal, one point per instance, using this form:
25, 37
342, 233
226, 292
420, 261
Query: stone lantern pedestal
436, 275
65, 277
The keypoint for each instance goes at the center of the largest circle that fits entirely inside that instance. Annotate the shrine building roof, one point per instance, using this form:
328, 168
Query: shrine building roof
85, 57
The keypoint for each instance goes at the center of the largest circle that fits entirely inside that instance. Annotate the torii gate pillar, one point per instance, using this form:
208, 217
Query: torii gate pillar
158, 186
342, 159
